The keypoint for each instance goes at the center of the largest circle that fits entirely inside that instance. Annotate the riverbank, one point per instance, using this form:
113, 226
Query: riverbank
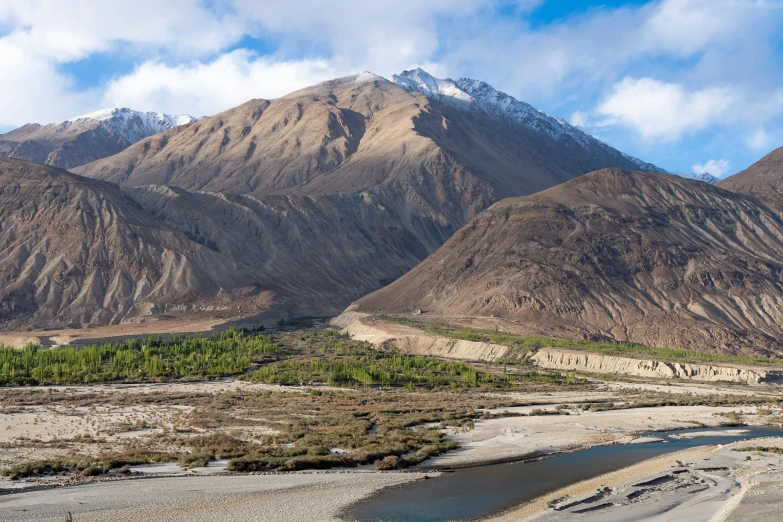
702, 484
507, 439
282, 497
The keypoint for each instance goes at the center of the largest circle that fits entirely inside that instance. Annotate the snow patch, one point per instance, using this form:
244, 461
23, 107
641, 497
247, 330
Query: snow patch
135, 125
367, 76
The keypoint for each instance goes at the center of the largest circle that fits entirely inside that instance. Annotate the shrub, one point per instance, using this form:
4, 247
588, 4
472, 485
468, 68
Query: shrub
388, 463
92, 471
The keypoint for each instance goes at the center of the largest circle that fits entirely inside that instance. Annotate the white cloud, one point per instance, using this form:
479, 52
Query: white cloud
180, 41
664, 112
67, 31
578, 119
207, 88
585, 52
32, 90
717, 168
760, 140
182, 47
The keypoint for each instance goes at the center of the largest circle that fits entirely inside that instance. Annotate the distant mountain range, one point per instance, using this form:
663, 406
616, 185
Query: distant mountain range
85, 138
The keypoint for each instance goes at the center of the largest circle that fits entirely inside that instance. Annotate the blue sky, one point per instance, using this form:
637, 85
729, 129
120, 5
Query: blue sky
686, 84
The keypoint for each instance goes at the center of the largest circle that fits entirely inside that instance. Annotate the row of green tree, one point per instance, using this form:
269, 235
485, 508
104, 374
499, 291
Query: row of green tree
225, 353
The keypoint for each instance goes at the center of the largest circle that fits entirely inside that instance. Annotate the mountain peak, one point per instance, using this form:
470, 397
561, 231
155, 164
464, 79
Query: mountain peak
367, 76
135, 125
420, 80
476, 95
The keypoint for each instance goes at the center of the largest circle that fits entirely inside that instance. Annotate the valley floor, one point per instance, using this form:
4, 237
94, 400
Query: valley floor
86, 449
521, 432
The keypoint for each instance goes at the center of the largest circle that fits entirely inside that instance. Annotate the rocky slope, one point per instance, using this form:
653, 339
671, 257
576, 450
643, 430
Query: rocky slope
311, 254
650, 258
76, 251
763, 179
85, 138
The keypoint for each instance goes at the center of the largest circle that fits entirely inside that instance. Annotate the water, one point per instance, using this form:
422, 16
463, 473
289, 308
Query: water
481, 491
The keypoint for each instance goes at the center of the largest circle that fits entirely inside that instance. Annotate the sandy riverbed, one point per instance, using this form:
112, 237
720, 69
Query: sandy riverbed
703, 484
271, 498
512, 438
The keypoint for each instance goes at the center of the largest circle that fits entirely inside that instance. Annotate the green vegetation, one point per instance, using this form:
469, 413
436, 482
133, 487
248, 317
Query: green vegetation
341, 361
290, 358
530, 343
87, 466
361, 364
226, 353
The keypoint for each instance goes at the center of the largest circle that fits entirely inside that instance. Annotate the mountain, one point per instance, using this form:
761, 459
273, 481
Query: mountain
76, 251
330, 192
706, 177
431, 165
763, 179
85, 138
629, 256
358, 132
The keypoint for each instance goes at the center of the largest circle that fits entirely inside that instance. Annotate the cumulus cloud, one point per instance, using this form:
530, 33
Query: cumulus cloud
717, 168
206, 88
181, 41
663, 112
68, 31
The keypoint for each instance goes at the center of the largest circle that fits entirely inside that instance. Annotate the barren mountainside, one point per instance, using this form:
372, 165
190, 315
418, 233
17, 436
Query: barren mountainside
75, 251
321, 196
631, 256
350, 135
763, 179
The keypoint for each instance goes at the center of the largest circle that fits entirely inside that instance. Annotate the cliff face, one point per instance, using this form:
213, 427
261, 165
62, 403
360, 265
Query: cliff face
556, 359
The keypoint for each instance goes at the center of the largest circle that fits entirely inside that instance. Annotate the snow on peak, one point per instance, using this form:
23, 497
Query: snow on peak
367, 76
420, 80
475, 95
135, 125
706, 177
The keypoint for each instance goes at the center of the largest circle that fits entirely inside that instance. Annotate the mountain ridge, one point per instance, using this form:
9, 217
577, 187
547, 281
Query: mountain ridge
469, 93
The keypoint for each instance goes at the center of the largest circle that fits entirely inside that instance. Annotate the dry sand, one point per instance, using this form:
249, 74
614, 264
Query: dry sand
282, 497
114, 332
